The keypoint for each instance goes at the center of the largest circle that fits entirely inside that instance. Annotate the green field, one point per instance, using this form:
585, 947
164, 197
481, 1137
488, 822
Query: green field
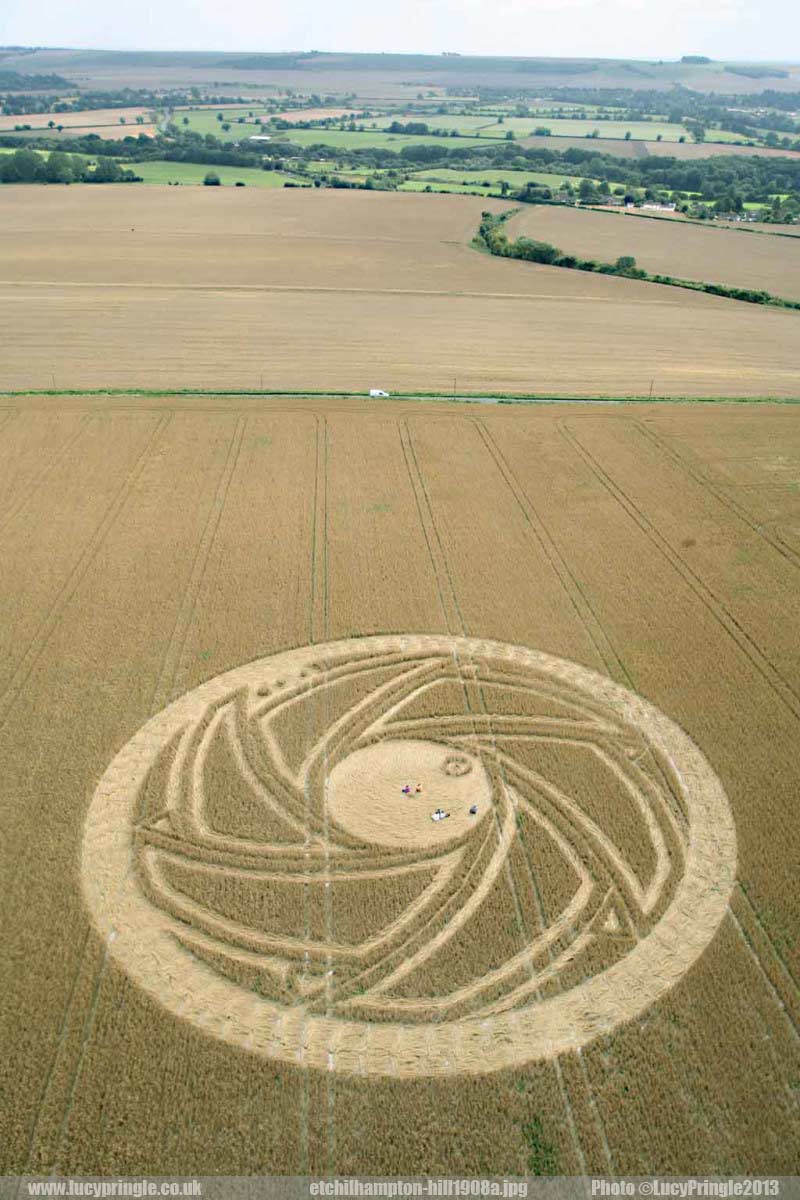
723, 135
516, 179
194, 173
458, 189
640, 131
464, 124
488, 126
205, 121
346, 140
559, 107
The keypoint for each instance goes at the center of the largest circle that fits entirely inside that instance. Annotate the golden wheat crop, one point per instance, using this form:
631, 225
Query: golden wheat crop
332, 592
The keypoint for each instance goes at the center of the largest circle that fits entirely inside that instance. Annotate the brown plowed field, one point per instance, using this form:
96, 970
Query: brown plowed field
666, 247
234, 288
149, 547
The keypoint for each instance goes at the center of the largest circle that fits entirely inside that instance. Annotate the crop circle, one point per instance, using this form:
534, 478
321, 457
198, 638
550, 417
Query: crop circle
408, 855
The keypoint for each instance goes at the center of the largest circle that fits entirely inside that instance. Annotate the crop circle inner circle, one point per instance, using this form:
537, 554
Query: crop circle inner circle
392, 792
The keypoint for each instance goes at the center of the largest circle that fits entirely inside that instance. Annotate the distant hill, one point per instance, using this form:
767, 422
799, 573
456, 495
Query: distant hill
386, 74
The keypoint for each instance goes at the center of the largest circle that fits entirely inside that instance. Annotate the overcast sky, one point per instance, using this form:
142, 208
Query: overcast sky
743, 29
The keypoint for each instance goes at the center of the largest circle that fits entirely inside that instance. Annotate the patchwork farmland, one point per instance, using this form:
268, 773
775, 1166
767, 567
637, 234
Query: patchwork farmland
579, 620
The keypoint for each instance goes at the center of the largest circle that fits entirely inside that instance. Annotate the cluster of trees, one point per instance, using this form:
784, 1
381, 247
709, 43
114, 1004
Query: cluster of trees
492, 236
411, 127
27, 166
15, 81
14, 105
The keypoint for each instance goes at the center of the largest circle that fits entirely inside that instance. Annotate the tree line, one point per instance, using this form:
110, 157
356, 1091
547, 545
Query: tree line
492, 237
726, 183
28, 166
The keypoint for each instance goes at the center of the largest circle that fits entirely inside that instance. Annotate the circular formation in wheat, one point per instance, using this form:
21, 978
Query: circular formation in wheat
408, 855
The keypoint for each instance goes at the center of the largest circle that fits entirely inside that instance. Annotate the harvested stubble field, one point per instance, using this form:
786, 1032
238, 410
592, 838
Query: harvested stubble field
223, 288
109, 133
156, 922
636, 149
92, 118
773, 228
715, 149
668, 247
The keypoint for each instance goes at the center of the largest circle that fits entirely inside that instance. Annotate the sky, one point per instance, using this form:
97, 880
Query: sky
752, 30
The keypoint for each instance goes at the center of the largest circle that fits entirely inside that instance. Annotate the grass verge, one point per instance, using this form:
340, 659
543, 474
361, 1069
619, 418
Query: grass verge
442, 397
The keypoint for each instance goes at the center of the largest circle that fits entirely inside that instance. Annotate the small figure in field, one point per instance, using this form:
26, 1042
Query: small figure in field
419, 788
473, 810
406, 790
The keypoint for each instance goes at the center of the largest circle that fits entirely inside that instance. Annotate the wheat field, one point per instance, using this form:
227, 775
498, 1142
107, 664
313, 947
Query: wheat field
234, 630
343, 291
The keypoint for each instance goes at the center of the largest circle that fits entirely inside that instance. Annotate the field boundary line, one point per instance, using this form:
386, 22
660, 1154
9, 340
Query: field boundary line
717, 490
50, 621
417, 395
744, 641
428, 521
56, 457
547, 543
711, 224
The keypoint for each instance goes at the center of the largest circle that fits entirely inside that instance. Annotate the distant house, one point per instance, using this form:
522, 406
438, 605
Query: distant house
653, 207
259, 137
